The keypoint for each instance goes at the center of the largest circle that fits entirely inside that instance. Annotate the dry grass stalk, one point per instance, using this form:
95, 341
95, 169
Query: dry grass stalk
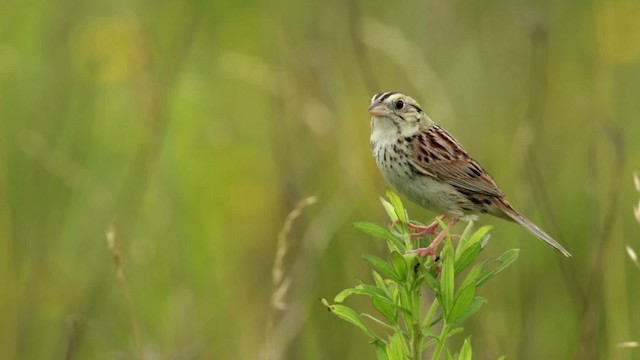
281, 282
122, 279
636, 212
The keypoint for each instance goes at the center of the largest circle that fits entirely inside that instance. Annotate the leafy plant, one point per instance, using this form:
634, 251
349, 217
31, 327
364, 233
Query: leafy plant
400, 282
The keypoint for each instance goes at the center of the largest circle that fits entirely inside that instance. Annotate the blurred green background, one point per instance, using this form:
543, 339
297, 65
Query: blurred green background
195, 127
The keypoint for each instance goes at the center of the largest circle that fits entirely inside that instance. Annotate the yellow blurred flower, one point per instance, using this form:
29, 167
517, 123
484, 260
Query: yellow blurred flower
105, 51
619, 31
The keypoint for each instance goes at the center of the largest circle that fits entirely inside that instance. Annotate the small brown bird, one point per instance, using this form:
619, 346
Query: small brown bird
425, 163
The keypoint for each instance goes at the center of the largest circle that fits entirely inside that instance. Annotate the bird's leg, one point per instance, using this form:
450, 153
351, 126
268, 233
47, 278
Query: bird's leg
425, 230
431, 249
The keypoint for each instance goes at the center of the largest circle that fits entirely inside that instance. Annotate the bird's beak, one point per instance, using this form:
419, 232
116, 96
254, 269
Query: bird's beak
378, 109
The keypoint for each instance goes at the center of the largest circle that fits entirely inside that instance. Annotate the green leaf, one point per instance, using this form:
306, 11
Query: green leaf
348, 314
380, 232
345, 294
381, 349
362, 289
382, 267
504, 260
378, 280
405, 299
455, 331
412, 259
374, 291
446, 281
397, 348
464, 237
397, 206
431, 281
386, 309
467, 257
464, 299
431, 342
378, 321
436, 319
388, 208
465, 351
476, 304
473, 274
476, 238
400, 265
448, 355
380, 283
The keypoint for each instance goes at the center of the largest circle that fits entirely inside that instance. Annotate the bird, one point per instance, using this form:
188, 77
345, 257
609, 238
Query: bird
426, 164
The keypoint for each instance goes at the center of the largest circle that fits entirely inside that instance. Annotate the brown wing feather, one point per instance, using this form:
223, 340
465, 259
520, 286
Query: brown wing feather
437, 154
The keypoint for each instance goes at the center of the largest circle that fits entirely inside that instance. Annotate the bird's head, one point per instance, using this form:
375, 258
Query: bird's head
396, 111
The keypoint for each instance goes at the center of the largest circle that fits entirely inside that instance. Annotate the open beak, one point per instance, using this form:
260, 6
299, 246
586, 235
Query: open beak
378, 109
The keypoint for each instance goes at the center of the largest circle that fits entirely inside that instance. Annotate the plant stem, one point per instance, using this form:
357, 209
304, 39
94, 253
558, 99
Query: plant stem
441, 340
417, 335
416, 341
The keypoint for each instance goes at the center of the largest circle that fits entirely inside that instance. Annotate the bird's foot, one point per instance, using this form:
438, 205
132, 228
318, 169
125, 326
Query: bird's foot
431, 249
422, 252
421, 231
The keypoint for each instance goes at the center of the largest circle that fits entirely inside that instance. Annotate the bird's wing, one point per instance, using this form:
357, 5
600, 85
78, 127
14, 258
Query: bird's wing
437, 154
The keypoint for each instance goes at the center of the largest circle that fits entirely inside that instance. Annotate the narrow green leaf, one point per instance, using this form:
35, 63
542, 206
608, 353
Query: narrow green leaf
436, 320
381, 349
430, 342
485, 240
429, 334
344, 294
470, 310
405, 298
378, 280
400, 265
504, 260
446, 281
412, 259
386, 309
362, 289
404, 310
464, 237
388, 208
465, 351
381, 233
378, 321
448, 355
348, 314
467, 257
473, 274
380, 283
479, 234
397, 206
431, 281
464, 299
382, 267
374, 291
397, 348
455, 331
444, 228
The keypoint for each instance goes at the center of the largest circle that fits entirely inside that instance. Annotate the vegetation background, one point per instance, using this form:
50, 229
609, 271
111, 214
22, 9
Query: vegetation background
194, 127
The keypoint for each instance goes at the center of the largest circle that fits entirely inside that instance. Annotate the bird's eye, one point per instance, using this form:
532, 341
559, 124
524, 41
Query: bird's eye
399, 104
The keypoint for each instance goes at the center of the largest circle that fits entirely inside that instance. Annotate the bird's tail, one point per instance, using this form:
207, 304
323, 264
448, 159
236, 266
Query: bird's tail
514, 215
